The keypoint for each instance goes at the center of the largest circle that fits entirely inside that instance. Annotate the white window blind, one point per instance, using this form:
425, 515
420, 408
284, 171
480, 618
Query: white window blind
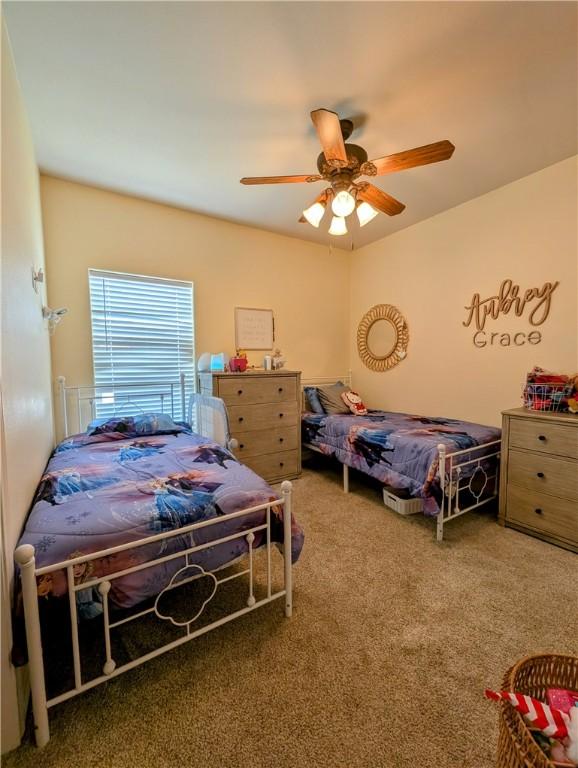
142, 341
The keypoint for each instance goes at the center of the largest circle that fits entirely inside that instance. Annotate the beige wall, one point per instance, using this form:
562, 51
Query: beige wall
26, 405
526, 231
230, 265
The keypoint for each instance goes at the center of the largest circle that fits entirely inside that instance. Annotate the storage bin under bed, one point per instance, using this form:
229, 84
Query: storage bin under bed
403, 506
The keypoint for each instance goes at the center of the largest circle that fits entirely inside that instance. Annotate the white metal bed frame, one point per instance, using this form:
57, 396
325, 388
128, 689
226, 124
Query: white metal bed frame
29, 573
449, 471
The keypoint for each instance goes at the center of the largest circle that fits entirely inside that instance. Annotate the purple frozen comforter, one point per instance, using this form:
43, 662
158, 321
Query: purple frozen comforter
105, 490
399, 449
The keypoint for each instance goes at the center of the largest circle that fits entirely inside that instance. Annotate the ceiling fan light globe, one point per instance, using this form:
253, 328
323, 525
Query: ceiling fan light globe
314, 214
343, 203
338, 226
365, 213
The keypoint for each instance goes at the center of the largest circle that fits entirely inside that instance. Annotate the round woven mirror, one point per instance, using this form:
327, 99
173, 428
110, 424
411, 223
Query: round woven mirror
382, 337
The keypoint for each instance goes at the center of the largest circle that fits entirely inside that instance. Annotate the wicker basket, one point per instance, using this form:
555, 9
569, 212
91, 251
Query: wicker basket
532, 676
547, 397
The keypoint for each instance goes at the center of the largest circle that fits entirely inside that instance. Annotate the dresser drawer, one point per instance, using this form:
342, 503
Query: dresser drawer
259, 389
246, 418
538, 435
544, 474
275, 465
256, 442
546, 514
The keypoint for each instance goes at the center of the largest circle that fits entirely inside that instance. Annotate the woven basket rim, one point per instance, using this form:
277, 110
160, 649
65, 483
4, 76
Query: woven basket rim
511, 673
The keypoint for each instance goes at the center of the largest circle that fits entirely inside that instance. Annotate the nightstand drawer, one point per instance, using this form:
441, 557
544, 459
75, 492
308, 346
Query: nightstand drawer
254, 443
245, 418
544, 474
258, 389
538, 435
275, 465
547, 514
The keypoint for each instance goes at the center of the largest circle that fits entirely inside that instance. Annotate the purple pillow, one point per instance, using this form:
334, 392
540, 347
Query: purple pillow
133, 426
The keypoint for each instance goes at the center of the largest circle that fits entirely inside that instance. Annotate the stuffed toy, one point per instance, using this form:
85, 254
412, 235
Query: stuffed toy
354, 403
550, 721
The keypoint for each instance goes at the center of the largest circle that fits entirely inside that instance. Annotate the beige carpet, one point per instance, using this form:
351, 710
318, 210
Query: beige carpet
393, 640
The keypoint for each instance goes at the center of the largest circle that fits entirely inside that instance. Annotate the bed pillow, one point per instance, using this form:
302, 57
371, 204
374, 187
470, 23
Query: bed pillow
330, 398
157, 424
354, 403
132, 426
312, 400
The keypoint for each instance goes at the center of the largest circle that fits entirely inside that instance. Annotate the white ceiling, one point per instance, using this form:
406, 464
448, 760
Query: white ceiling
177, 101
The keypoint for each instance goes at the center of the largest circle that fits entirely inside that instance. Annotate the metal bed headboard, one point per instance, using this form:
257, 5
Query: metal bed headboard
78, 405
321, 380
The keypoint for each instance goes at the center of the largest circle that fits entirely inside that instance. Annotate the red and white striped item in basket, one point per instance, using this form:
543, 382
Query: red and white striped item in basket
552, 722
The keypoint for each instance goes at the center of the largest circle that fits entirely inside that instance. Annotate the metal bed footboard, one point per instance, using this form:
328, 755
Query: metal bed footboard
29, 573
454, 483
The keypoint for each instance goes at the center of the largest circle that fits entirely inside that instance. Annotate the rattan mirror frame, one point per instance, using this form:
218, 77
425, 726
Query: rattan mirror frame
393, 315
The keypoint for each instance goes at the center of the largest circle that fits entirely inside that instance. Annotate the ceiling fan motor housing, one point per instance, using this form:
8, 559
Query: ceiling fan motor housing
342, 177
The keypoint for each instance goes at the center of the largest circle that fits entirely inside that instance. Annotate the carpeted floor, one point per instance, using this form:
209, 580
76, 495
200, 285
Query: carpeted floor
383, 664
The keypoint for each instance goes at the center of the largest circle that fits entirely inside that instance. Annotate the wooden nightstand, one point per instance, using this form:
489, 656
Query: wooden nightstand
539, 475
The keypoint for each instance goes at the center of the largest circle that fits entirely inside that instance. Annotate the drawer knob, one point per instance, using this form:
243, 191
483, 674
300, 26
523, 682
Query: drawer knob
280, 439
241, 445
539, 474
239, 391
538, 511
280, 415
240, 418
280, 389
542, 437
281, 464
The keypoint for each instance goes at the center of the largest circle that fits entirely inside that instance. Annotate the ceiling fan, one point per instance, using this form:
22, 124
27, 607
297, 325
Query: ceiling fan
342, 164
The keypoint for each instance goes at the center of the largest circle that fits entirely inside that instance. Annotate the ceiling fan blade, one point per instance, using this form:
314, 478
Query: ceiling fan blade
329, 131
411, 158
279, 179
380, 200
322, 198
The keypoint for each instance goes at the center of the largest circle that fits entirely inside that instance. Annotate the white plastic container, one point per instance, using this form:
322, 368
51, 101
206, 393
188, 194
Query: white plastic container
402, 506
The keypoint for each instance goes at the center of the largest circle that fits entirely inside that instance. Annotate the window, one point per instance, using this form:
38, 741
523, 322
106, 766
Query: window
143, 339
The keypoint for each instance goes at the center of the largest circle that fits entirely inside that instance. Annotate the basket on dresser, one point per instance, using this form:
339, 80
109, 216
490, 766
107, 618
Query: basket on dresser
539, 475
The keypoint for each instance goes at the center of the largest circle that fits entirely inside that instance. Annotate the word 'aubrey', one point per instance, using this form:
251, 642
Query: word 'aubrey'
508, 298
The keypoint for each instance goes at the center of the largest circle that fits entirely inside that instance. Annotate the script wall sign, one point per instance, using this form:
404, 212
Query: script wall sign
534, 303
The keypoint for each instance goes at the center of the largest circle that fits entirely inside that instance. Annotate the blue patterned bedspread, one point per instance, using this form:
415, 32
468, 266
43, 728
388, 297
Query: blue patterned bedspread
106, 490
398, 449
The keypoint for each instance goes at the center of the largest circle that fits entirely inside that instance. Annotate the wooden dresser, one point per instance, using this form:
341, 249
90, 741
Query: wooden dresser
539, 475
264, 416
